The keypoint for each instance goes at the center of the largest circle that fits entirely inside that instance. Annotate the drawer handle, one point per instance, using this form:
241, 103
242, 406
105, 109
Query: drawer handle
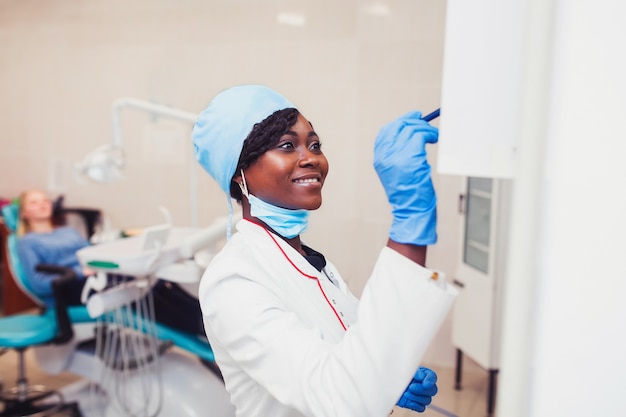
458, 283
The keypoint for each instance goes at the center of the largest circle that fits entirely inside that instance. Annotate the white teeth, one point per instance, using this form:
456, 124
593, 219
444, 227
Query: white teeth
307, 180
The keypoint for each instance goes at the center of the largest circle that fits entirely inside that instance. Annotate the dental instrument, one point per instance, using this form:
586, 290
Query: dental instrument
136, 366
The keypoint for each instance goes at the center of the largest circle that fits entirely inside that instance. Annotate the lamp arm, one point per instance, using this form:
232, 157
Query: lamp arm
103, 164
125, 102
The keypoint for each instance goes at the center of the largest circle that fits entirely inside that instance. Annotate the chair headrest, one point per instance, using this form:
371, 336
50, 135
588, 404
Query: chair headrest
11, 215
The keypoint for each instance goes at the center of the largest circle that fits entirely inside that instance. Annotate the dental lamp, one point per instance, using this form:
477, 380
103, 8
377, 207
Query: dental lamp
105, 163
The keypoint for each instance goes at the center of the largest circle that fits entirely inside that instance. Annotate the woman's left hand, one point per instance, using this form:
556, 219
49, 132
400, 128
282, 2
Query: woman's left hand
420, 391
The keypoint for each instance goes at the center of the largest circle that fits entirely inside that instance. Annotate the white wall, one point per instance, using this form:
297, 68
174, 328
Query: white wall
351, 67
572, 295
564, 311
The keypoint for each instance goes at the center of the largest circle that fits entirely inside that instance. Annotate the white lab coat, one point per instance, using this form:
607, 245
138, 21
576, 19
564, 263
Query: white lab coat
276, 326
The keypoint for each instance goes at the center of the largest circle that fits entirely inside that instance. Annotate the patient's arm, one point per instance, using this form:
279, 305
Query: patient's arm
56, 248
88, 271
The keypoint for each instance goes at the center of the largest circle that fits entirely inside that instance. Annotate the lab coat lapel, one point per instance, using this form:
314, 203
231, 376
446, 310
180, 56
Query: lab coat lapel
310, 293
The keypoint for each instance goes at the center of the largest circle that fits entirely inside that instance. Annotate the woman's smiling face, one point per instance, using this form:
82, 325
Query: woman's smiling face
290, 175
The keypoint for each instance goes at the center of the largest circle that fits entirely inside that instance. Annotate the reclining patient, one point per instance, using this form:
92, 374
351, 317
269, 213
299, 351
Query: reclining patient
42, 240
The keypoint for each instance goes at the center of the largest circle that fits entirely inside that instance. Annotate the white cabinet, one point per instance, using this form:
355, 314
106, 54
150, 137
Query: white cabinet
476, 319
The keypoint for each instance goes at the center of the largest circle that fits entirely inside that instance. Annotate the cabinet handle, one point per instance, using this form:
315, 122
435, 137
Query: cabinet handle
461, 203
458, 283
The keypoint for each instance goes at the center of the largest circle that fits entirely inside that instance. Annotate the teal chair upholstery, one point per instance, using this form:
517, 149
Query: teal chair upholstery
22, 331
19, 332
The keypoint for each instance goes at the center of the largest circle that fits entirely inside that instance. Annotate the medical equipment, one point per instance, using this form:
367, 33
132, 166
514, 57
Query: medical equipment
286, 222
105, 163
136, 368
142, 366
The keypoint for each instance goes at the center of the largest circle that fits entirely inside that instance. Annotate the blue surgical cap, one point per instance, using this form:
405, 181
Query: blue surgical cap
227, 121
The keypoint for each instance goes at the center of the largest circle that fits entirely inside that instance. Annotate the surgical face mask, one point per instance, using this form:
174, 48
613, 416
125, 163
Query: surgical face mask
287, 223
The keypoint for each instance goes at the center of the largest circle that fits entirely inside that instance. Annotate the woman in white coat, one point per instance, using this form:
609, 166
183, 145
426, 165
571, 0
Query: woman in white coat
289, 337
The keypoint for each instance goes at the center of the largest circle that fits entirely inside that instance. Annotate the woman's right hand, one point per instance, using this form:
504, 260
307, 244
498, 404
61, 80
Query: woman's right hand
401, 164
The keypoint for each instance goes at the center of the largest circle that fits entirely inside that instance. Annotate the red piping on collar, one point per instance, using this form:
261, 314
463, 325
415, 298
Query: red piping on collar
302, 273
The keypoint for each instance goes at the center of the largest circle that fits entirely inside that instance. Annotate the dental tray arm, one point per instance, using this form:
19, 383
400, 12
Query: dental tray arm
204, 238
116, 297
162, 250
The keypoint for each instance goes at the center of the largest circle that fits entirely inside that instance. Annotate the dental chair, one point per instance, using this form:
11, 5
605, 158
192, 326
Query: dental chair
186, 376
28, 330
17, 293
27, 323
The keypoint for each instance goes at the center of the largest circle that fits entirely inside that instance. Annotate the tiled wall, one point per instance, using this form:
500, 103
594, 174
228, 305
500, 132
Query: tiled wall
349, 65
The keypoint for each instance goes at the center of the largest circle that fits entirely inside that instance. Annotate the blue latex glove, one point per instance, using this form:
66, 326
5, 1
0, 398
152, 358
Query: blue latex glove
420, 391
400, 162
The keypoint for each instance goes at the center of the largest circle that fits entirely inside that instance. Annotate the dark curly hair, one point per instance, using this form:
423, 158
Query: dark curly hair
263, 137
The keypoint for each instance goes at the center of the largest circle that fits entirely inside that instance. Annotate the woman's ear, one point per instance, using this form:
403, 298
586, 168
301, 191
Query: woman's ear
240, 179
